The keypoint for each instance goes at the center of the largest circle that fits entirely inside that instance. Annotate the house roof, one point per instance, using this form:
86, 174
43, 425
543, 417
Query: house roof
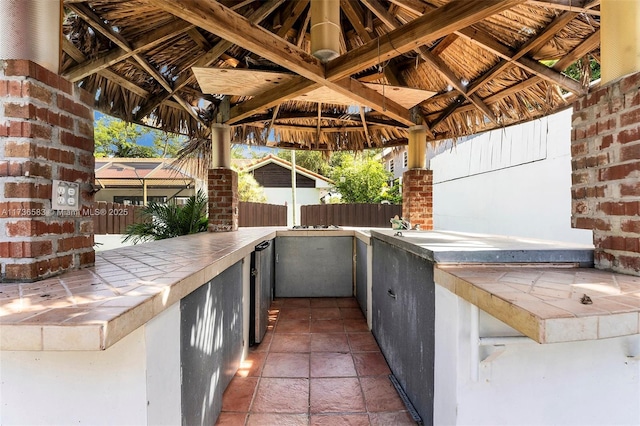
272, 159
488, 64
133, 171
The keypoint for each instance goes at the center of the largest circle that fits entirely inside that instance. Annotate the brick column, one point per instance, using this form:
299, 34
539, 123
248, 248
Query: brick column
605, 147
46, 133
223, 200
417, 197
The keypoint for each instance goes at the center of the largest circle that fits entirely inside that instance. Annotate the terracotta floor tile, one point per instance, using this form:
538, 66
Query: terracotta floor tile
347, 302
362, 342
354, 324
231, 419
252, 365
348, 313
263, 346
332, 364
281, 396
371, 364
380, 395
292, 326
397, 418
239, 394
290, 342
278, 419
336, 396
329, 342
325, 313
295, 313
340, 420
286, 365
327, 326
296, 302
323, 302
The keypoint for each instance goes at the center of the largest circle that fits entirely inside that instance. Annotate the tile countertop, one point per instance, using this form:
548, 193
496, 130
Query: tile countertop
93, 308
544, 302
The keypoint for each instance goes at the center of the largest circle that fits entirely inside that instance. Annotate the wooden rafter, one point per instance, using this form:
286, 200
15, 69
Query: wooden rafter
258, 120
207, 59
219, 20
427, 28
119, 54
100, 26
79, 57
530, 46
432, 59
486, 41
319, 123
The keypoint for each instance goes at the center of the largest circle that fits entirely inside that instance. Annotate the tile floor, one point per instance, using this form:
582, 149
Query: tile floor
317, 365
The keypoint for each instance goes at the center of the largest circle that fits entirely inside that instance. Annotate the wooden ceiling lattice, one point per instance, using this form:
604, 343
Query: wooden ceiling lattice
457, 66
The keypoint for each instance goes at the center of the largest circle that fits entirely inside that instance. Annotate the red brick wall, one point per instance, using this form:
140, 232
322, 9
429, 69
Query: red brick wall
46, 133
605, 147
223, 200
417, 198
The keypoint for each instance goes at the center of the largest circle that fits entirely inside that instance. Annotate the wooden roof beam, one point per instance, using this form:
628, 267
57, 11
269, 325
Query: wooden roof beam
79, 57
289, 90
207, 59
432, 59
427, 28
258, 120
486, 41
580, 6
217, 19
531, 45
100, 26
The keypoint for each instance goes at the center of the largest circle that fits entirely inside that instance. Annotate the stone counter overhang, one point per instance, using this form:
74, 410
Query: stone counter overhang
93, 308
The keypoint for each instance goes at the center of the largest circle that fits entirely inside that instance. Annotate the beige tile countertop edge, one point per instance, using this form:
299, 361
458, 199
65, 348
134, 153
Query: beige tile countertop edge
156, 297
553, 325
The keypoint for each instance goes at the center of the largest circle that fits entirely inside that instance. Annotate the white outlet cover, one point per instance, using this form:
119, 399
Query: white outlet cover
65, 195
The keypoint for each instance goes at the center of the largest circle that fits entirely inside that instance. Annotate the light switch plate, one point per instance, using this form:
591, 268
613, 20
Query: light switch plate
65, 195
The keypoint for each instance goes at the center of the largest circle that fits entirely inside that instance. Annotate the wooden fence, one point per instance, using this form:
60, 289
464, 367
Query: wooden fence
365, 215
113, 218
260, 214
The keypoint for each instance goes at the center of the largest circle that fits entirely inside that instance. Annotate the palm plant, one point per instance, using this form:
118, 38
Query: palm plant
160, 221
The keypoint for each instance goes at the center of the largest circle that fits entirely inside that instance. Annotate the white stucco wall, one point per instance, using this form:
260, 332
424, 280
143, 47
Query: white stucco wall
513, 181
134, 382
304, 196
576, 383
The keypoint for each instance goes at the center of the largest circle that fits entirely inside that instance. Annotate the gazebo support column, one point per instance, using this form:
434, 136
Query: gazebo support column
46, 134
417, 182
222, 183
605, 145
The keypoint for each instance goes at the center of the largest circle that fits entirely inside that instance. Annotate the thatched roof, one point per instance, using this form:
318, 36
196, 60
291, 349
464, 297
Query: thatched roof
487, 64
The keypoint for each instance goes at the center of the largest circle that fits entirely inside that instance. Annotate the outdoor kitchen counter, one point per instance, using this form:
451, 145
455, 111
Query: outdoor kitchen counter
536, 287
93, 308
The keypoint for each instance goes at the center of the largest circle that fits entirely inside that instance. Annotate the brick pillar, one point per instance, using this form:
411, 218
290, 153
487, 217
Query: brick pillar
417, 197
223, 200
46, 133
605, 148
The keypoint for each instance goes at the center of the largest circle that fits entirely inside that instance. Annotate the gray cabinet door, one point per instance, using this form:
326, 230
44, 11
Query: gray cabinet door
314, 266
403, 305
361, 275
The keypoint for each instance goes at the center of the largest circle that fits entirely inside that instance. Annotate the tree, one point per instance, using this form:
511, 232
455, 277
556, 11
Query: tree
249, 189
116, 138
360, 178
314, 161
160, 221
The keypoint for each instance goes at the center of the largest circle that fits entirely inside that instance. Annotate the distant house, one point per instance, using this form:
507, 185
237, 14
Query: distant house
138, 181
274, 175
